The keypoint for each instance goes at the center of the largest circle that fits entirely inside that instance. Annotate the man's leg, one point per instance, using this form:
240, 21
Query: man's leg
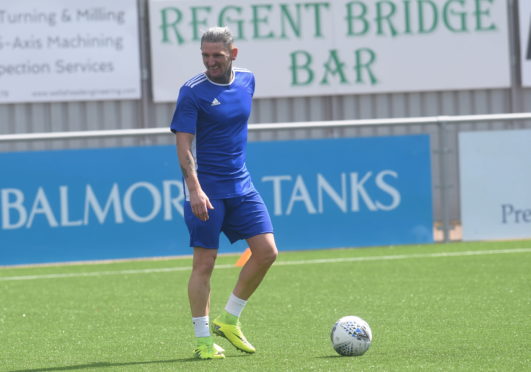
199, 297
199, 283
264, 253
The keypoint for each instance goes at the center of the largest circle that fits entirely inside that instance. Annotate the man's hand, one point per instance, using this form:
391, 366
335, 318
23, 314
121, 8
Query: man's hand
200, 205
199, 201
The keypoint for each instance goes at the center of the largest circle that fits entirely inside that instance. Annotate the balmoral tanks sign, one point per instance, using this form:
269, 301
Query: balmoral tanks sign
93, 204
302, 48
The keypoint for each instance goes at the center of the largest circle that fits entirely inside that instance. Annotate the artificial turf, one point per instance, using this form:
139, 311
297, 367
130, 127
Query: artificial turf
456, 306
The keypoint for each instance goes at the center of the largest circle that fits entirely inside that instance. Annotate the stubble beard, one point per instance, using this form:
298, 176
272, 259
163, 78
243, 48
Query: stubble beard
225, 78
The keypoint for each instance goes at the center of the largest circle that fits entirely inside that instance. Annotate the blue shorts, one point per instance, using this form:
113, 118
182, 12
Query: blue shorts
238, 218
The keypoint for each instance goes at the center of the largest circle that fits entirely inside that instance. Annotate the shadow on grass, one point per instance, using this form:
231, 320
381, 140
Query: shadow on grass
107, 364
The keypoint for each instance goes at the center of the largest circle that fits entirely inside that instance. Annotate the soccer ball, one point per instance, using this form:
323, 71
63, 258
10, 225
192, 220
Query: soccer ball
351, 336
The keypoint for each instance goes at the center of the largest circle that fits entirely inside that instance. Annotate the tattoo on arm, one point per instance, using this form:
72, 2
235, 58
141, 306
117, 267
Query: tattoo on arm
189, 168
184, 172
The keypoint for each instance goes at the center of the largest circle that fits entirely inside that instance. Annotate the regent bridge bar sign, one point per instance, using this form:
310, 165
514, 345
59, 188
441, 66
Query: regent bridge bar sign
306, 48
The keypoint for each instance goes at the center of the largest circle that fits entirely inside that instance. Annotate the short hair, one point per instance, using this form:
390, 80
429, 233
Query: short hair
218, 35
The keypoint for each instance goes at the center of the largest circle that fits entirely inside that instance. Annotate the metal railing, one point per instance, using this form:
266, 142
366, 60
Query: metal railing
442, 123
437, 120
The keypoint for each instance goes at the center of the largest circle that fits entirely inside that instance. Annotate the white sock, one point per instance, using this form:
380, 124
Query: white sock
201, 326
235, 305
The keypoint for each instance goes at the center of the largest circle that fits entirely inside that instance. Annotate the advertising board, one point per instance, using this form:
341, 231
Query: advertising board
75, 205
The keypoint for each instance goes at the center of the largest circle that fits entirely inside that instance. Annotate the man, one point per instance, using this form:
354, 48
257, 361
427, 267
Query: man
210, 123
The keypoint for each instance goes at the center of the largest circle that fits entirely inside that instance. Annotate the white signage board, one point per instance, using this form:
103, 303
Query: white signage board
495, 174
299, 48
525, 40
68, 50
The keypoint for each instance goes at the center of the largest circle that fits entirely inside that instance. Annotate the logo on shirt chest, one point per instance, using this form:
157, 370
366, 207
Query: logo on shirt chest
215, 102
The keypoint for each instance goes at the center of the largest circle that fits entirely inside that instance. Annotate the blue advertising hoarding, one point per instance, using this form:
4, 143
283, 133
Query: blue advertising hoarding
75, 205
346, 192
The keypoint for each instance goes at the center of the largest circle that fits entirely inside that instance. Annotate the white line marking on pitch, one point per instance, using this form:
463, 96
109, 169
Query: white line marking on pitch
280, 263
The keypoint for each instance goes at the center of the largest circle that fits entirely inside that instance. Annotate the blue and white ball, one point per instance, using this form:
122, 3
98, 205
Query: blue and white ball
351, 336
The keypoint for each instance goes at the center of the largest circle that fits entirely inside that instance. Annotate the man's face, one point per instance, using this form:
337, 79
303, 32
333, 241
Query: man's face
218, 61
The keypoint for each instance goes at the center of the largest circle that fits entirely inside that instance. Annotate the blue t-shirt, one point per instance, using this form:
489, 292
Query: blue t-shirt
217, 115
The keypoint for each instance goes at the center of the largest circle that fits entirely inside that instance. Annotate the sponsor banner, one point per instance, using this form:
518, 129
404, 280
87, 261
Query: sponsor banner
299, 48
68, 50
75, 205
524, 8
346, 192
97, 204
495, 174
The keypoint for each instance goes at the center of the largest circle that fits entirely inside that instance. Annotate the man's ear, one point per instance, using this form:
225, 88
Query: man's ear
234, 53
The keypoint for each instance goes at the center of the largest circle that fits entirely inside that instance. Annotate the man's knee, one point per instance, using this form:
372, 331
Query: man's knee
204, 261
203, 269
272, 256
264, 249
267, 256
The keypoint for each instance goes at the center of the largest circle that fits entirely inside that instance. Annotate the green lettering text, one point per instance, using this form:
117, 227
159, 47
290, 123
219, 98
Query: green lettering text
365, 57
170, 18
423, 29
382, 17
353, 16
225, 19
258, 20
461, 16
480, 13
301, 62
317, 7
287, 17
196, 22
334, 66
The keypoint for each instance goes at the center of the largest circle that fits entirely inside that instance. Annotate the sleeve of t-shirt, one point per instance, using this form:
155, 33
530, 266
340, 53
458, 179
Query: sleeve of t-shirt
185, 115
252, 85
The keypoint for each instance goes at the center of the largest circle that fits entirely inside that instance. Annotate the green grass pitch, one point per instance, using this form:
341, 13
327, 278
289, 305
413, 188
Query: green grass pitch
439, 307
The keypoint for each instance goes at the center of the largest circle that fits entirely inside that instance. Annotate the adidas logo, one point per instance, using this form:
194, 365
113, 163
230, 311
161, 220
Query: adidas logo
215, 102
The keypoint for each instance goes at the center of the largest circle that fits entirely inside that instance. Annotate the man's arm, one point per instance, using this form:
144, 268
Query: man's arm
198, 199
